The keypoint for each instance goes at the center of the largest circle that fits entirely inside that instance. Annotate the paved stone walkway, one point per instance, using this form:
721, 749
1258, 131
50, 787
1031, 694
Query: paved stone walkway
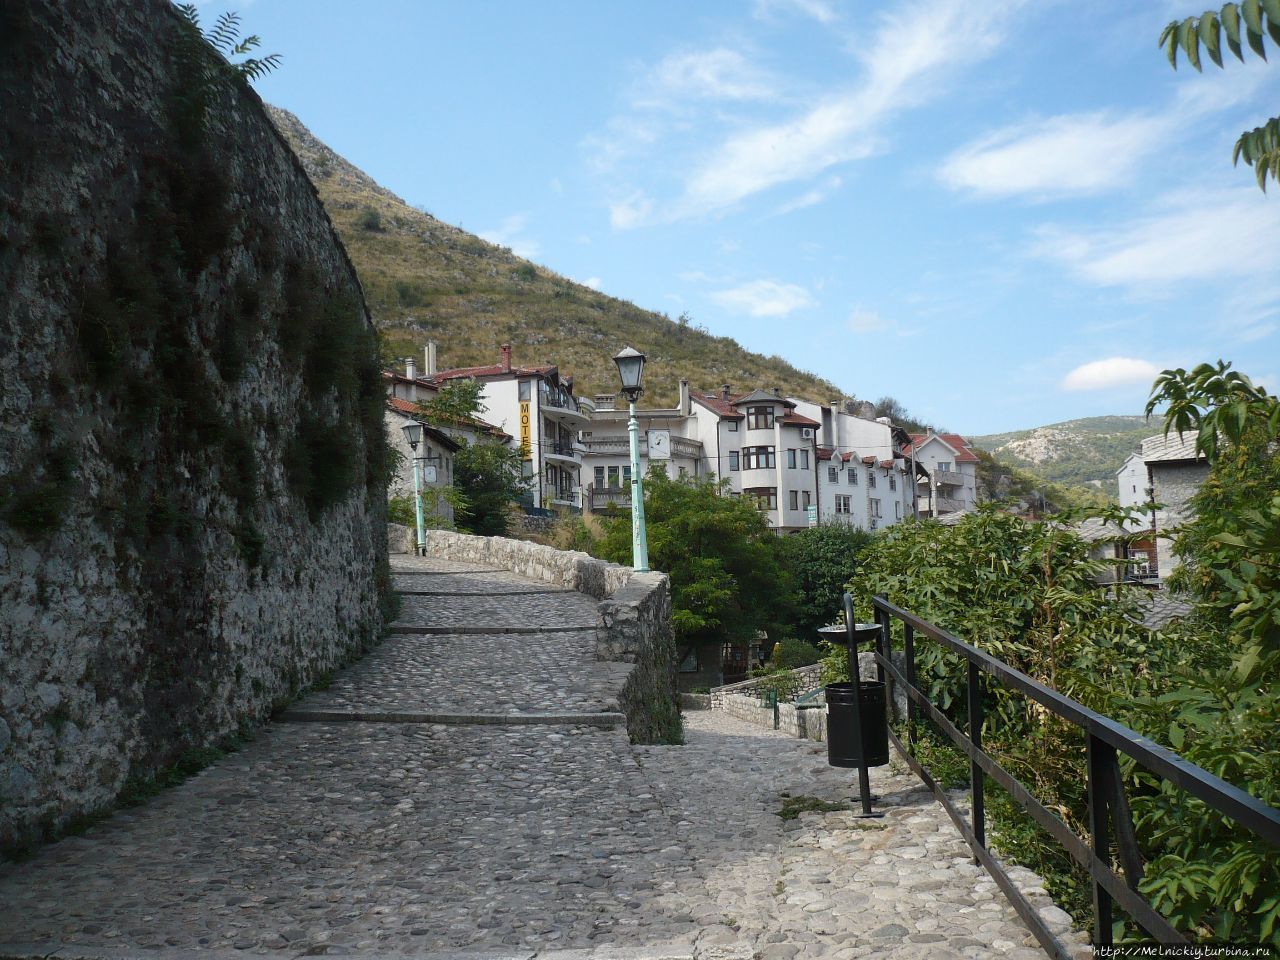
555, 840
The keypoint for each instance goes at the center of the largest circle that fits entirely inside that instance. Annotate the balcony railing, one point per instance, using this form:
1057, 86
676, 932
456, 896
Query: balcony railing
561, 449
599, 498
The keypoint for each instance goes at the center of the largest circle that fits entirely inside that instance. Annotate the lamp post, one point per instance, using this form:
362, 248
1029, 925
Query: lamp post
631, 369
413, 433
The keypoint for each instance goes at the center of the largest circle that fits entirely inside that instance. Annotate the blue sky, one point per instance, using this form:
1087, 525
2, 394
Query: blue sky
1004, 213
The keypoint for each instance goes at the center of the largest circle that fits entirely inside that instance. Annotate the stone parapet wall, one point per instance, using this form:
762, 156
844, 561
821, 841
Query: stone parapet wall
635, 618
571, 569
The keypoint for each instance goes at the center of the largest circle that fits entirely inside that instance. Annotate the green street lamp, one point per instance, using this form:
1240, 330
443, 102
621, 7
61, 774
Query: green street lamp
413, 433
631, 371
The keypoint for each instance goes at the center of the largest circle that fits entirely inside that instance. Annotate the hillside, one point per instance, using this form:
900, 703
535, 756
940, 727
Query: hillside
1074, 452
427, 280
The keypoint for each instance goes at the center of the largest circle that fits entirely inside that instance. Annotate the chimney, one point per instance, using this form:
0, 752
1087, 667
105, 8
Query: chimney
430, 351
506, 357
686, 407
725, 391
410, 368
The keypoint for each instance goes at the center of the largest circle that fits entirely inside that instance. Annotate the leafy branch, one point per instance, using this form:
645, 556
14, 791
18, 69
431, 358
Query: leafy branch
1260, 147
206, 62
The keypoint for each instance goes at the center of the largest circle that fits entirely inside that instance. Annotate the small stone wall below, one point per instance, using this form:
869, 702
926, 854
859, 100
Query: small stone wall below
635, 616
564, 568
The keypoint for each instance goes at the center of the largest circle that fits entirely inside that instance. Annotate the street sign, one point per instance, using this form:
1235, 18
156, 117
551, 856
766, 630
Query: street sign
428, 474
812, 513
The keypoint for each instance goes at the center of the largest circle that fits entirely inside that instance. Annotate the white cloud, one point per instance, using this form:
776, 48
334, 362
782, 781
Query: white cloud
765, 298
867, 321
511, 234
595, 283
717, 74
1087, 153
1076, 155
812, 197
630, 212
1109, 373
1203, 236
823, 11
903, 63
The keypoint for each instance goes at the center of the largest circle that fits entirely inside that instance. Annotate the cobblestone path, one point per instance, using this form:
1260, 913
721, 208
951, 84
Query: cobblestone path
466, 838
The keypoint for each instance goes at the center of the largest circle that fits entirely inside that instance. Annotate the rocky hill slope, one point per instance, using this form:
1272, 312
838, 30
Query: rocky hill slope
1085, 451
427, 280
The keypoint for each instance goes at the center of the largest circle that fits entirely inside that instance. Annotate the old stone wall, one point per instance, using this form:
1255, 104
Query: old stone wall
191, 461
635, 616
1173, 485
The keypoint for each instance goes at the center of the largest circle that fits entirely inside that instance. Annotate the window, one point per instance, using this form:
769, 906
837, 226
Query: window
758, 458
944, 466
874, 507
833, 474
897, 509
791, 459
808, 500
874, 524
526, 468
844, 504
766, 498
599, 476
759, 418
893, 482
795, 500
613, 478
733, 460
626, 475
733, 426
804, 459
871, 478
853, 477
524, 390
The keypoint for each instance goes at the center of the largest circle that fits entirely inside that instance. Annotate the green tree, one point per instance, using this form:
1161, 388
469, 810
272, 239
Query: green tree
1259, 147
727, 582
822, 560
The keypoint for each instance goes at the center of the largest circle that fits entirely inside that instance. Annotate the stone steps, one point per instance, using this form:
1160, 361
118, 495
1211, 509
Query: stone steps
608, 719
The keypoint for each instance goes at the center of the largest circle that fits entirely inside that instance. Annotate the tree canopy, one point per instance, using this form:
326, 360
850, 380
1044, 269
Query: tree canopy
1251, 19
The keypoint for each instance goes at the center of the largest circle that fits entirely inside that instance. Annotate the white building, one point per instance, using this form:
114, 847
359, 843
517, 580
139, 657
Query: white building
864, 477
1132, 482
536, 407
405, 391
949, 481
668, 436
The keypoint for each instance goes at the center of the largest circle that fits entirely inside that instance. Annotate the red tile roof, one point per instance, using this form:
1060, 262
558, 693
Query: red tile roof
796, 420
953, 440
411, 409
716, 403
493, 370
401, 378
825, 453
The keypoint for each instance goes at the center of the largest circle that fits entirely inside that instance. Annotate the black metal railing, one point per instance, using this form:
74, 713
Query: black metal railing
601, 497
1110, 820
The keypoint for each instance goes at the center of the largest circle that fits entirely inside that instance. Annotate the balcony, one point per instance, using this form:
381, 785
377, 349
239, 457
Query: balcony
553, 404
949, 478
601, 498
556, 449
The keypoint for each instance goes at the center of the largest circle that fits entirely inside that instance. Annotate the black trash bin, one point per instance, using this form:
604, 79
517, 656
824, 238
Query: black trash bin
842, 750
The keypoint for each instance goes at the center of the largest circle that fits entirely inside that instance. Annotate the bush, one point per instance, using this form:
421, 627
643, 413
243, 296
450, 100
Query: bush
791, 654
370, 220
822, 560
727, 583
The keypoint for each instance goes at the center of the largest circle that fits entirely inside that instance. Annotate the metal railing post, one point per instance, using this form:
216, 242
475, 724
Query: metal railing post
909, 661
1099, 834
977, 787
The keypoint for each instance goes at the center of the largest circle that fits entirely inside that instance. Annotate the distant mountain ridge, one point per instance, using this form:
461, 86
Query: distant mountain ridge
1087, 451
427, 280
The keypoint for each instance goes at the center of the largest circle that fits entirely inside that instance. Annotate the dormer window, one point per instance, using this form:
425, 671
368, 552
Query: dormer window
759, 418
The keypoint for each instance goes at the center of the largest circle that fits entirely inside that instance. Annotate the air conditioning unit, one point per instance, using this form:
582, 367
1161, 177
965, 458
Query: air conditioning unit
806, 433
